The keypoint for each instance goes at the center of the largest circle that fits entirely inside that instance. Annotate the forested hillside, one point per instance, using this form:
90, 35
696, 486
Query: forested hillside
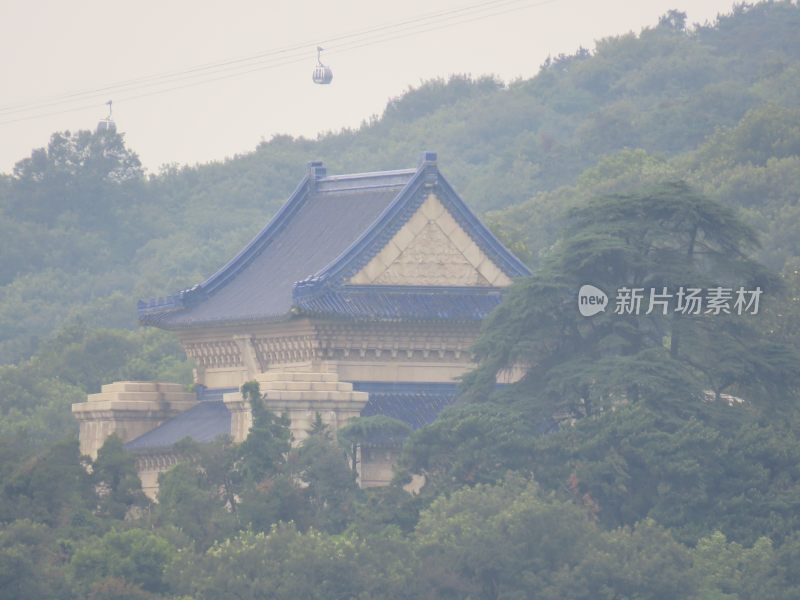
677, 129
85, 233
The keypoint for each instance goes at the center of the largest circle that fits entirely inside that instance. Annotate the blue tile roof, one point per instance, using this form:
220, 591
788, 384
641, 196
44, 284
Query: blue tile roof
314, 227
416, 404
427, 179
327, 231
407, 303
203, 423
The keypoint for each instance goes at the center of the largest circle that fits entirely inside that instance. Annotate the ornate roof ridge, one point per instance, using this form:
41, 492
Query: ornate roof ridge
413, 187
426, 177
367, 174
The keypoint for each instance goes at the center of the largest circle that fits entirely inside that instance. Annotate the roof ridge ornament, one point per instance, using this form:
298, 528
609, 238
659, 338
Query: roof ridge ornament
427, 158
317, 170
427, 162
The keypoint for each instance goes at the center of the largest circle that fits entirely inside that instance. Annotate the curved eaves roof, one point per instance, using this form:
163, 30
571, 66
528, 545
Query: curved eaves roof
330, 228
319, 224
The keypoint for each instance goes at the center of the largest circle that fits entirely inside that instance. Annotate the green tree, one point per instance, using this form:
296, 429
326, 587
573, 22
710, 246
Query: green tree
114, 474
190, 502
267, 490
139, 557
80, 173
720, 566
646, 440
234, 484
511, 540
114, 588
722, 472
276, 499
642, 562
386, 511
329, 483
664, 237
469, 444
285, 563
264, 451
499, 541
282, 564
30, 567
52, 487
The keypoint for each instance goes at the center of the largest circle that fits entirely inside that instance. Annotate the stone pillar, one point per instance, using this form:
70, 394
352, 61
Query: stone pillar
300, 395
241, 415
376, 464
249, 356
129, 409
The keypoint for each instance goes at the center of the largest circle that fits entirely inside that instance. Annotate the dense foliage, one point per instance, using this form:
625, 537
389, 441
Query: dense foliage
639, 457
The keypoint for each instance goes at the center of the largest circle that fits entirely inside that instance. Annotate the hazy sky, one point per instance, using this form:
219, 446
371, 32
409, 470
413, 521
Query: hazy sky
52, 48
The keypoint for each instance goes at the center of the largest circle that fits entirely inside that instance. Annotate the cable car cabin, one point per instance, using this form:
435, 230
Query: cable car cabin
106, 125
322, 75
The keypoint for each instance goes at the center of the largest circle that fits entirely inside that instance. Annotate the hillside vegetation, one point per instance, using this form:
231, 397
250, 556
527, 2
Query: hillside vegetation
85, 233
655, 157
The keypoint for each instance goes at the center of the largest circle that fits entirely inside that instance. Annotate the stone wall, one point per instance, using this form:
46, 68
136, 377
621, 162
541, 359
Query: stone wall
129, 409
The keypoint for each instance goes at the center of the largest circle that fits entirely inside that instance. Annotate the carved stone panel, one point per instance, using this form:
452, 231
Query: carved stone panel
431, 249
431, 259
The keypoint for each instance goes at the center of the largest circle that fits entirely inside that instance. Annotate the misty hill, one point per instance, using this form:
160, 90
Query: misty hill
85, 232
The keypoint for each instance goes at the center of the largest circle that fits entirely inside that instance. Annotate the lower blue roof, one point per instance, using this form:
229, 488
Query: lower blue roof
416, 404
203, 423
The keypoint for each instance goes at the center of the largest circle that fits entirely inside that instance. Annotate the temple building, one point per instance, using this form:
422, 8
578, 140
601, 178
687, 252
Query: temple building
362, 296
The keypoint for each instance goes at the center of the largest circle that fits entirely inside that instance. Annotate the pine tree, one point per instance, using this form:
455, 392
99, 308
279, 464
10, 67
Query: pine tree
663, 238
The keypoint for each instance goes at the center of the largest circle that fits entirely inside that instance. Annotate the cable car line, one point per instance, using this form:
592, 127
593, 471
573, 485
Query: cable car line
299, 53
265, 65
441, 15
155, 79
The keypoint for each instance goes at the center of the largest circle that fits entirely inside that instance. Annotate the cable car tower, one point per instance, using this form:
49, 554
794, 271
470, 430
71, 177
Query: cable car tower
107, 124
322, 73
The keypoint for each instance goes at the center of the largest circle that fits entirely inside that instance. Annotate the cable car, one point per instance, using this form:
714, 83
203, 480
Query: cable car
322, 73
107, 124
